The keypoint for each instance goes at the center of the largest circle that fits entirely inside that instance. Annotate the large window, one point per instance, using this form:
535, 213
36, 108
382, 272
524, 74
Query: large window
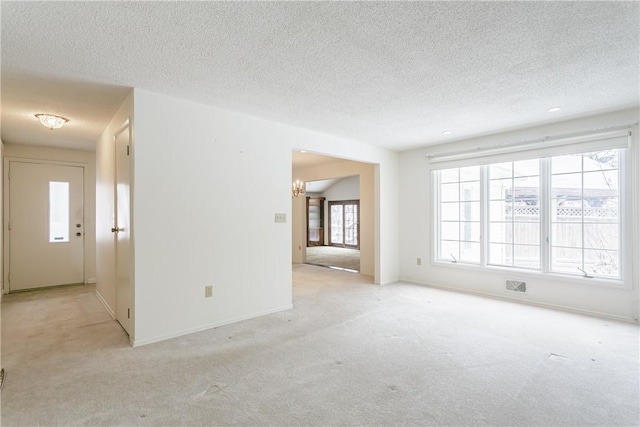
557, 214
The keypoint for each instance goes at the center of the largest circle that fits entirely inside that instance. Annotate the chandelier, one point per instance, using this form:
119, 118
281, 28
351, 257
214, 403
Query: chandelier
297, 188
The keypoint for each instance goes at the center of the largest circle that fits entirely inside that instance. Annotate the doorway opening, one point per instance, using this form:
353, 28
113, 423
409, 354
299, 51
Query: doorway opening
45, 225
333, 223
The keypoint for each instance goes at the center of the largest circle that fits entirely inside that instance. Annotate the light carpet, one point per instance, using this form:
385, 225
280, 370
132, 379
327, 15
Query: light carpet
332, 256
349, 353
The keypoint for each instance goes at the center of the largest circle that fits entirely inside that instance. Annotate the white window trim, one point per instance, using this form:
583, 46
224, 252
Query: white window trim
628, 204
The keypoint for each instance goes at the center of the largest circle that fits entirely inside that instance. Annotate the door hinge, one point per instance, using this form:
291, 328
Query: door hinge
9, 277
127, 150
9, 226
128, 313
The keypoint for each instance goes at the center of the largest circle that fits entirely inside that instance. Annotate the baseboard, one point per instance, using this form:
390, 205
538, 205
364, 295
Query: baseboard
91, 281
138, 343
527, 302
106, 306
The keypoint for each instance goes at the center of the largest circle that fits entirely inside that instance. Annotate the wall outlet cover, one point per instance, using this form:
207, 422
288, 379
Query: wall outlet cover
208, 291
281, 217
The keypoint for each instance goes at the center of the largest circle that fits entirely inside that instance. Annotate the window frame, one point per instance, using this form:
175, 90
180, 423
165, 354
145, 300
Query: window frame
626, 229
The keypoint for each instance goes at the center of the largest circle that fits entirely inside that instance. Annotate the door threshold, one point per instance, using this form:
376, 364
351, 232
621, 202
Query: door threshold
66, 285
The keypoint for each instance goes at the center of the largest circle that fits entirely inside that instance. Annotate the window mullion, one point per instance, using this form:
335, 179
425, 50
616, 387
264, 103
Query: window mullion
545, 214
484, 217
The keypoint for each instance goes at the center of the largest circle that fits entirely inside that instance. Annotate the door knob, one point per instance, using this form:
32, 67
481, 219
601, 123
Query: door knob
79, 234
117, 230
78, 225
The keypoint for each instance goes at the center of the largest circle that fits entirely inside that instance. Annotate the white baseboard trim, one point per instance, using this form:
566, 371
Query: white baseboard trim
91, 281
528, 302
106, 306
138, 343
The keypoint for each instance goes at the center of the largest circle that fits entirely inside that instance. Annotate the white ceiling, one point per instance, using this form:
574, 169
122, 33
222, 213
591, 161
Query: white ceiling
393, 74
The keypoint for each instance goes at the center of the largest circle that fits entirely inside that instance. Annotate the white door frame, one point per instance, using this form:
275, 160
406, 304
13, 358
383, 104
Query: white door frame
6, 207
126, 127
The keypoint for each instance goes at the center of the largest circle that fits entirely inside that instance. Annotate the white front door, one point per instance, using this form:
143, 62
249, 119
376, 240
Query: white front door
122, 229
45, 225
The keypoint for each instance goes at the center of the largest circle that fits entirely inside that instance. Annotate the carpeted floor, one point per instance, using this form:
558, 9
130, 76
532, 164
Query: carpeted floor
332, 256
349, 353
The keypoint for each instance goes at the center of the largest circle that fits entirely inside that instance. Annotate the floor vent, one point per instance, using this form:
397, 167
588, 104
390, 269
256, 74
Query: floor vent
516, 285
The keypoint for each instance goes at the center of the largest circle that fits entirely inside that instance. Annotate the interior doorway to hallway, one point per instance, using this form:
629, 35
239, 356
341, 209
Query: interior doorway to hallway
44, 244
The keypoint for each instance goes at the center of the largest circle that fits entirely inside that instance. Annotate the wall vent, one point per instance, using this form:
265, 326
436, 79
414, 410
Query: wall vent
516, 285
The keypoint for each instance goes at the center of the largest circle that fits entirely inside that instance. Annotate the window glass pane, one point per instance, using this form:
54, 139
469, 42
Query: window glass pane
602, 183
562, 211
566, 260
449, 175
470, 191
470, 252
526, 256
601, 262
450, 211
58, 212
470, 231
568, 235
500, 254
449, 192
601, 160
471, 173
607, 212
500, 170
566, 186
450, 230
526, 233
601, 236
500, 189
499, 210
526, 168
564, 164
526, 187
470, 211
500, 232
448, 248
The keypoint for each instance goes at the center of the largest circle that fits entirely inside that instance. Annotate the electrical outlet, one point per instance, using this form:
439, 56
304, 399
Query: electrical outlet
419, 261
208, 291
281, 217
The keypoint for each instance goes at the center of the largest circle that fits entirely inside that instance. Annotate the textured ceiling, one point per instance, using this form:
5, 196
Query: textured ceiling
393, 74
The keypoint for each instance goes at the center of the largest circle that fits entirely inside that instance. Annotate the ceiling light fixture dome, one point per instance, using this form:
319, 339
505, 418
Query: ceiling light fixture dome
554, 109
51, 121
447, 132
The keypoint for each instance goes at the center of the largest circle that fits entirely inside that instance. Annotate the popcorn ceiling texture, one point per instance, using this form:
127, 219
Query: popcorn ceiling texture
393, 74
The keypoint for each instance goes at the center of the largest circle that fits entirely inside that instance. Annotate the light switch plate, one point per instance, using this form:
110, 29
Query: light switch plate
281, 217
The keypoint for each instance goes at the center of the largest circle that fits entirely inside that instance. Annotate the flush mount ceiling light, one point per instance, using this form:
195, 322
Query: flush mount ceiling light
554, 109
447, 132
51, 121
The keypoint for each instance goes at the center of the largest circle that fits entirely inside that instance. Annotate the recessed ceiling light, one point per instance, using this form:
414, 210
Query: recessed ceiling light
447, 132
554, 109
303, 151
51, 121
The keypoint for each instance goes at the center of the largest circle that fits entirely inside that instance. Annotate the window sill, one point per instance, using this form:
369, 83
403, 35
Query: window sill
537, 275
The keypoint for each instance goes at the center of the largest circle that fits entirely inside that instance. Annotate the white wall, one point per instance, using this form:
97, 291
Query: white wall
105, 179
347, 188
199, 218
86, 159
416, 232
366, 190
